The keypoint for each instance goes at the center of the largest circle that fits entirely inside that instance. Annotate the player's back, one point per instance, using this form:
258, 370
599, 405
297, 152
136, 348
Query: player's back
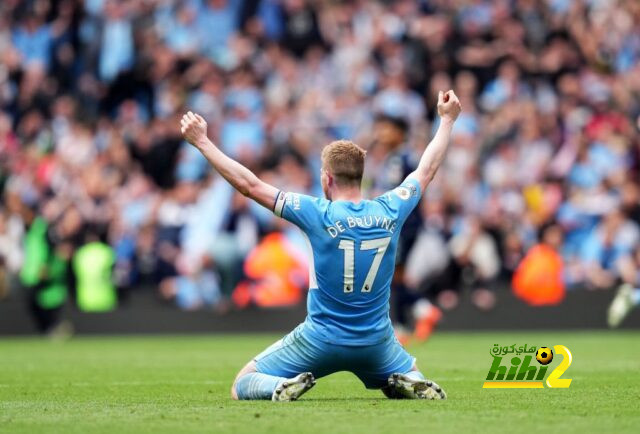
353, 249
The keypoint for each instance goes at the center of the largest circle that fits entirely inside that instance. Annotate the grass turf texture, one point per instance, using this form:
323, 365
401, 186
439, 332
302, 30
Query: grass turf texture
181, 384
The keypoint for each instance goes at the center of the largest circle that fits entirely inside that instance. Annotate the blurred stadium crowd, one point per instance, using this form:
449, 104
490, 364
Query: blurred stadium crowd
95, 176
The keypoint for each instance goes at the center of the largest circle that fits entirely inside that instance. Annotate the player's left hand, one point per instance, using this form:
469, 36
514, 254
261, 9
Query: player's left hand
449, 106
193, 128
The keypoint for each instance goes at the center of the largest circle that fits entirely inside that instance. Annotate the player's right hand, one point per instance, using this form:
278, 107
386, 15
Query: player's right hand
193, 128
448, 105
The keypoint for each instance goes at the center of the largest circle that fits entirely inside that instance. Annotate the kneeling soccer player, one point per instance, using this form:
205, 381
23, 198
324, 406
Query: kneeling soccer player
353, 245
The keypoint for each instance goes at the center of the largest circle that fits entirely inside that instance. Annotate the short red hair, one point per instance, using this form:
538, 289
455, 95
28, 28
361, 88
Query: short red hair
345, 161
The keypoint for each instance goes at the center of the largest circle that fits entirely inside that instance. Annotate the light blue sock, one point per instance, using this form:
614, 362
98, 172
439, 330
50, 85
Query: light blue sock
415, 375
636, 296
257, 386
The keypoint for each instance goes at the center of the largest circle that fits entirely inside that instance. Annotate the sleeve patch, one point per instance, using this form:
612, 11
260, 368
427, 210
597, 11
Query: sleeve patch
403, 193
406, 191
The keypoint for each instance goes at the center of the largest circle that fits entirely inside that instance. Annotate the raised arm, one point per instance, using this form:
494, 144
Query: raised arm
194, 130
448, 109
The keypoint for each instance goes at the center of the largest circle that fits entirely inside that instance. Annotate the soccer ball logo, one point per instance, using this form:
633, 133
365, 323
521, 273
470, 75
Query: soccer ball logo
544, 355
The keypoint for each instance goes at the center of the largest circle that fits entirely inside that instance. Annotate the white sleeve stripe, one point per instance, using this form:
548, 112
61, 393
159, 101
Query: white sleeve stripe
279, 206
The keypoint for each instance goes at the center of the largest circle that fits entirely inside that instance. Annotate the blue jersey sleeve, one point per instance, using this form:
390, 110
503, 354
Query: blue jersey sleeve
402, 199
299, 209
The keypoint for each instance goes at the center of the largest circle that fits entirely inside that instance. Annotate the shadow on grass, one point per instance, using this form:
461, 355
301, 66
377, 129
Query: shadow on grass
349, 398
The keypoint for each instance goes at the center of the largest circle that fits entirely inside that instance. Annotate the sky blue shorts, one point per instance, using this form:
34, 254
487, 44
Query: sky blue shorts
297, 353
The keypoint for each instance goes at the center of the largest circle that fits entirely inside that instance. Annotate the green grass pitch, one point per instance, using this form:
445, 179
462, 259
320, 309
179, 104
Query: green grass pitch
171, 384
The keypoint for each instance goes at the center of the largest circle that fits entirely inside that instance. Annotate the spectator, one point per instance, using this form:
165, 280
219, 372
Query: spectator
613, 239
539, 279
93, 267
33, 40
221, 15
116, 54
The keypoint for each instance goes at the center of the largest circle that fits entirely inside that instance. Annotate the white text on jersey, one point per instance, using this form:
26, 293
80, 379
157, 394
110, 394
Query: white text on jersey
362, 222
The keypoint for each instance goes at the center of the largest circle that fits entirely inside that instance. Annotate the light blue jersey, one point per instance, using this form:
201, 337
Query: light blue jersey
353, 258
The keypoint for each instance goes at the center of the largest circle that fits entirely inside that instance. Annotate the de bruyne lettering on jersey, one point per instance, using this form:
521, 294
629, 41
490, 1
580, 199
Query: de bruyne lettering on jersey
369, 221
362, 222
372, 221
